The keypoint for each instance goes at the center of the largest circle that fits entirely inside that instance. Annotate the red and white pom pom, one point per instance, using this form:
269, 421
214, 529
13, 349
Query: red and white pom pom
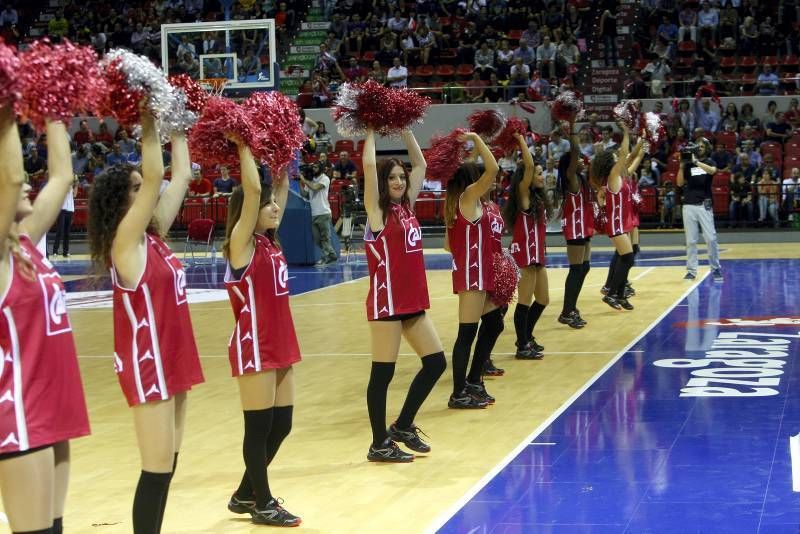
506, 276
627, 112
9, 71
446, 154
208, 139
122, 102
600, 219
487, 123
505, 141
388, 111
56, 82
654, 132
568, 106
275, 122
196, 97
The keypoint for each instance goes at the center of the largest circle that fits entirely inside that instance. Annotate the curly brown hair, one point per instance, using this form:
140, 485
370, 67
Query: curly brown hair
109, 201
385, 167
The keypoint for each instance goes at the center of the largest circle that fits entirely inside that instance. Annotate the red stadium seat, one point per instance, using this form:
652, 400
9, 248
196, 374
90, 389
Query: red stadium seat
721, 179
686, 48
425, 207
448, 55
720, 198
221, 210
771, 147
674, 162
748, 63
80, 217
445, 71
649, 207
727, 140
669, 176
769, 60
193, 208
792, 148
789, 63
465, 70
727, 63
344, 145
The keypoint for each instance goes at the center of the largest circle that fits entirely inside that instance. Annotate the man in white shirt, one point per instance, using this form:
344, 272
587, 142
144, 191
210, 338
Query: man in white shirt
397, 75
317, 192
546, 57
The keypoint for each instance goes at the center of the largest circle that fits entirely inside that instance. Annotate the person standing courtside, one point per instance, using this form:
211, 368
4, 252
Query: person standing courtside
317, 190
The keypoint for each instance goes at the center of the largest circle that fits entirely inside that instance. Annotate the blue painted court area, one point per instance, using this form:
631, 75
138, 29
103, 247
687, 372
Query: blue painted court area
688, 431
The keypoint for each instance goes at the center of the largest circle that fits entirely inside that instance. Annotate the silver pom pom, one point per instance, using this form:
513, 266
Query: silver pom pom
345, 108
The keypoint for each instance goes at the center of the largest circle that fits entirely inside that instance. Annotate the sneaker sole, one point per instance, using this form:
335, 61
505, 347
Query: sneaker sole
390, 460
469, 407
537, 356
276, 524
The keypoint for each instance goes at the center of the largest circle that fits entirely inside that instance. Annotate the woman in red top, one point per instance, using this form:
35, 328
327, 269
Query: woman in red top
43, 405
398, 297
156, 357
264, 345
526, 212
470, 240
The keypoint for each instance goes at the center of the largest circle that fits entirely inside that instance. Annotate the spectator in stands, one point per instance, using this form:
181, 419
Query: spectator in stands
546, 57
792, 115
745, 167
558, 146
767, 37
377, 73
467, 43
325, 164
684, 118
790, 184
345, 169
646, 178
334, 44
484, 61
568, 56
189, 65
504, 60
728, 21
495, 91
135, 158
518, 77
525, 53
747, 118
707, 117
585, 144
475, 88
317, 191
397, 23
607, 30
322, 138
58, 26
768, 198
767, 82
741, 200
326, 64
606, 140
778, 130
223, 186
199, 186
338, 26
398, 75
667, 30
708, 21
408, 45
667, 194
84, 135
426, 42
126, 144
116, 156
35, 166
722, 158
80, 161
594, 130
104, 137
250, 64
768, 166
538, 87
389, 48
355, 72
687, 21
431, 184
730, 118
748, 36
9, 16
186, 47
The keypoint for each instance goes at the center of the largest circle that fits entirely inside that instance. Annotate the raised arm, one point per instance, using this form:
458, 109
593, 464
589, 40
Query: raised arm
280, 190
418, 166
573, 184
636, 156
524, 187
48, 203
172, 199
12, 175
615, 176
241, 241
475, 191
371, 195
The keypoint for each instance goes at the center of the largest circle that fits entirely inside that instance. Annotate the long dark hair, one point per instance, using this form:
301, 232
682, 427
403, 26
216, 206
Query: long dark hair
385, 167
109, 201
540, 204
601, 167
466, 174
235, 203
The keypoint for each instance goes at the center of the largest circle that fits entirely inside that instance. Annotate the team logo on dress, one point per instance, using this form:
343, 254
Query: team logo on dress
514, 248
497, 227
55, 301
280, 274
283, 275
413, 236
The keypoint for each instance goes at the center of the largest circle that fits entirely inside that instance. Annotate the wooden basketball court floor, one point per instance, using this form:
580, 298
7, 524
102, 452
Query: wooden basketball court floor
321, 471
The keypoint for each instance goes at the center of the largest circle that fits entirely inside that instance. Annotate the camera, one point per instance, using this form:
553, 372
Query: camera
689, 150
309, 171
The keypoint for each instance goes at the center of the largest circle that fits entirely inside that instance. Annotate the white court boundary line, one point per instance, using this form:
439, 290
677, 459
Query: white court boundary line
448, 514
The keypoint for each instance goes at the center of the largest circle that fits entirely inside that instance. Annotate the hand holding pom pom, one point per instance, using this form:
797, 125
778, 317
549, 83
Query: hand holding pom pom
487, 123
209, 140
388, 111
568, 106
276, 128
628, 115
446, 154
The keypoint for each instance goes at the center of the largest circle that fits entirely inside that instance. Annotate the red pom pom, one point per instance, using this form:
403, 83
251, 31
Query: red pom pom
208, 141
58, 81
627, 112
196, 97
600, 218
122, 102
487, 123
506, 277
446, 154
567, 106
275, 121
676, 104
505, 141
9, 70
371, 105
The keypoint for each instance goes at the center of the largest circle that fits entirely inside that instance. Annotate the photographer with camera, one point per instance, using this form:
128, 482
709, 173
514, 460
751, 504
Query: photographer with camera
695, 176
316, 185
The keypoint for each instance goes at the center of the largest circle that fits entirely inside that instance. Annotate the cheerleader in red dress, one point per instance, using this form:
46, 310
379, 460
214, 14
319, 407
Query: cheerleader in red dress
491, 321
155, 355
577, 225
42, 405
263, 346
526, 211
606, 174
397, 298
470, 240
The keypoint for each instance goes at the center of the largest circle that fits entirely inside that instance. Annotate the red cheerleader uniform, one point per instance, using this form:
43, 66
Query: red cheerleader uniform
264, 336
41, 396
155, 354
528, 241
618, 211
636, 201
577, 218
497, 225
397, 282
471, 244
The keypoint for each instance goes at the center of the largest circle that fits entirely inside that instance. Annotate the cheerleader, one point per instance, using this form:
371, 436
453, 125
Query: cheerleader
470, 240
43, 405
577, 225
491, 321
526, 211
397, 298
263, 346
606, 174
155, 355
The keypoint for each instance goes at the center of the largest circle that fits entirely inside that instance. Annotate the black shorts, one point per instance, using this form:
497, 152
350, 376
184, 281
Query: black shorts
402, 316
579, 242
17, 454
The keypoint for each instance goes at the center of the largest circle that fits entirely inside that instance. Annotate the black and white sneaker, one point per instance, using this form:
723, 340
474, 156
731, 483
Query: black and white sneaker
689, 276
625, 304
241, 506
611, 301
535, 346
629, 291
465, 401
389, 452
604, 290
489, 369
410, 437
572, 319
717, 274
275, 514
479, 392
528, 353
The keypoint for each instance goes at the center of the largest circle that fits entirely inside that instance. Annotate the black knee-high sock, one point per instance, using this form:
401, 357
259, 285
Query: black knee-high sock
48, 530
150, 491
571, 288
533, 317
491, 327
611, 268
636, 250
379, 379
164, 500
521, 324
433, 365
617, 288
461, 352
58, 525
281, 427
257, 425
585, 267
